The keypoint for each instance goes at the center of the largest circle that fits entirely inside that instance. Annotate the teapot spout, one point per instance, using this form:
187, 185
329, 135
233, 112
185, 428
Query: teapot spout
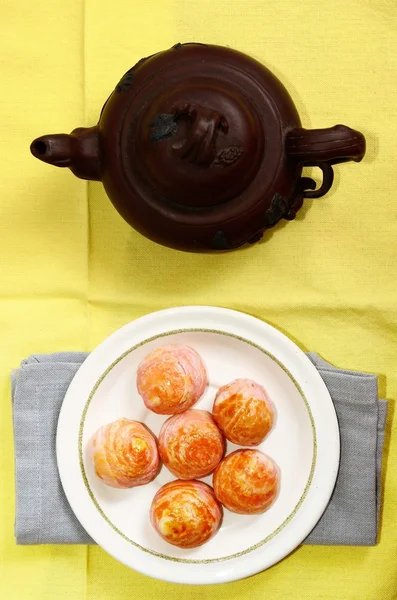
78, 150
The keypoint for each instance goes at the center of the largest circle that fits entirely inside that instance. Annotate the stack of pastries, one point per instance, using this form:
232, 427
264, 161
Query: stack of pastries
191, 445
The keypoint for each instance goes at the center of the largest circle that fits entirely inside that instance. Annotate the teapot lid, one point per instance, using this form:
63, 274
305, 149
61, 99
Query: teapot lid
201, 126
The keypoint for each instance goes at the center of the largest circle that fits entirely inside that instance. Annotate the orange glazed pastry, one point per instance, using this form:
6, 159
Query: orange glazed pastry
244, 412
124, 454
246, 482
190, 444
171, 379
186, 513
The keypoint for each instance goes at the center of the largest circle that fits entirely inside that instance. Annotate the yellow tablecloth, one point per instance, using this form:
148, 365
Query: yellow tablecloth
71, 271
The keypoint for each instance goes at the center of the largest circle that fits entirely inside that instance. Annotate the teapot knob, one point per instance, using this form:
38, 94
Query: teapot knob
204, 123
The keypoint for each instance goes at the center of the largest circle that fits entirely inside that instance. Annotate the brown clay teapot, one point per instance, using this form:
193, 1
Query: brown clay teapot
200, 148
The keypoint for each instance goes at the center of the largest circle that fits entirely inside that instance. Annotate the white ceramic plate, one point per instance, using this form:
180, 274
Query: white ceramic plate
304, 443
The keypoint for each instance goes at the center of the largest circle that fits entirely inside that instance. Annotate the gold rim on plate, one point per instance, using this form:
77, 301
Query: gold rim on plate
159, 554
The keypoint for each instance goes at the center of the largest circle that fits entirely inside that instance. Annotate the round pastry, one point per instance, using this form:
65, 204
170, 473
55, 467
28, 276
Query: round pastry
246, 482
124, 454
244, 412
186, 513
171, 379
191, 445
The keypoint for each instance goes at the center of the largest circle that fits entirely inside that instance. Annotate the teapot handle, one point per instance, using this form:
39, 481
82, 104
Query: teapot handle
323, 148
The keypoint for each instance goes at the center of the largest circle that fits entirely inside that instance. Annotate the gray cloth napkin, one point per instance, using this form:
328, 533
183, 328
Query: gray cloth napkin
43, 515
